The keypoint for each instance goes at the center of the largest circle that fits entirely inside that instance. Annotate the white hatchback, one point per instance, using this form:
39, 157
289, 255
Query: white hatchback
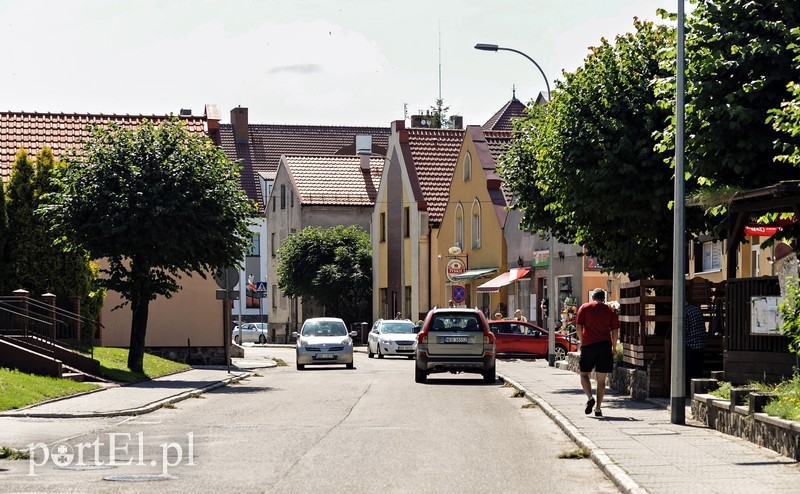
392, 337
324, 341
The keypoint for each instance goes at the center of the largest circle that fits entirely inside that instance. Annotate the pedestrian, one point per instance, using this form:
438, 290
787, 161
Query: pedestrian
498, 316
519, 317
451, 303
694, 341
397, 316
597, 325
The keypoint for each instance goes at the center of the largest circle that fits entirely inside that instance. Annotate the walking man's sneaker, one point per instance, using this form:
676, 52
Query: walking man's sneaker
589, 406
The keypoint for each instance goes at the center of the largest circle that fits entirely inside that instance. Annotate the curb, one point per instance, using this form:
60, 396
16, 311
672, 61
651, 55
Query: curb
617, 475
151, 407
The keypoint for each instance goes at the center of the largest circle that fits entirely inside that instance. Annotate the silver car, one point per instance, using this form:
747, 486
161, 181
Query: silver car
324, 341
392, 337
252, 331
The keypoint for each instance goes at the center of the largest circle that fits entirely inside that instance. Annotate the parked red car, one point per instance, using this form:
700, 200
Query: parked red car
523, 339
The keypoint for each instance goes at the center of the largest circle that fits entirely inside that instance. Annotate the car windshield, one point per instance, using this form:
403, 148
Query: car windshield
324, 328
398, 327
455, 322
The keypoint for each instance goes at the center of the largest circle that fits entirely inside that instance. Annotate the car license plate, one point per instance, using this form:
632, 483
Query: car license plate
405, 348
456, 339
324, 356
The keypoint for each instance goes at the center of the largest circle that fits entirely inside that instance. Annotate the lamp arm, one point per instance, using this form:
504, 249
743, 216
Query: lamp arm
546, 83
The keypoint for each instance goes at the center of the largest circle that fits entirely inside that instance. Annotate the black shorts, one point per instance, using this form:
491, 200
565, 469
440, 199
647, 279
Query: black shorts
598, 357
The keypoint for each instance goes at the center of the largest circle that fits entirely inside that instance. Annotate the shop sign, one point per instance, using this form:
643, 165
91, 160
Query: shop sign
454, 267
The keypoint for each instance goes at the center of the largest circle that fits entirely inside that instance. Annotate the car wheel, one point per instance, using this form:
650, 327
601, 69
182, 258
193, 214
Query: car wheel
561, 353
380, 355
420, 376
262, 339
489, 375
369, 351
349, 366
237, 340
301, 366
411, 357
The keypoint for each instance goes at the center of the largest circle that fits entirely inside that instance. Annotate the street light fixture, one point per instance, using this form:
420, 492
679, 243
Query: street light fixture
552, 291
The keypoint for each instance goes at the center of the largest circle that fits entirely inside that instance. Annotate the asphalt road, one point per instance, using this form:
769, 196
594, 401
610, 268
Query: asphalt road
371, 429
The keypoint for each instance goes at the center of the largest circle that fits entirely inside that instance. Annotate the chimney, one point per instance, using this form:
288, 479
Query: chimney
364, 149
212, 123
239, 123
365, 162
457, 121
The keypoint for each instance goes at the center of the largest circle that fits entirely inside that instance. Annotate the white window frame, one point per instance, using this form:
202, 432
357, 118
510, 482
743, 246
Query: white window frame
712, 257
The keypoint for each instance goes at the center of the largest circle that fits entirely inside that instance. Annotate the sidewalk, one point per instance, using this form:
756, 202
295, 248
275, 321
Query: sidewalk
143, 397
638, 447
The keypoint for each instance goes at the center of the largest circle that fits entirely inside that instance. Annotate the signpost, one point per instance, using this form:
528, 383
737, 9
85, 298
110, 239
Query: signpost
227, 282
261, 289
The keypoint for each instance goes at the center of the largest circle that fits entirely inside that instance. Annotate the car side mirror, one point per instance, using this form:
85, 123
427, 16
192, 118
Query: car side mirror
353, 334
295, 334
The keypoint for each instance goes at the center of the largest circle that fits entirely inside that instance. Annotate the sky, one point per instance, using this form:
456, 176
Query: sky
326, 62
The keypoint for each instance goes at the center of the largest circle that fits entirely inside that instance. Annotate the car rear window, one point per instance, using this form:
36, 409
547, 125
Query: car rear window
455, 322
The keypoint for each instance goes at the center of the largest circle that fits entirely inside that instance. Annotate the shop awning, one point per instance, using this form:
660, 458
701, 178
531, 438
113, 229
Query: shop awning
474, 273
494, 285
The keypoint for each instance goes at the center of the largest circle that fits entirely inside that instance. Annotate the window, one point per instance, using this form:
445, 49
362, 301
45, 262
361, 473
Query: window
755, 251
383, 227
272, 244
476, 224
712, 256
283, 196
459, 226
291, 197
255, 245
407, 222
274, 296
273, 204
467, 167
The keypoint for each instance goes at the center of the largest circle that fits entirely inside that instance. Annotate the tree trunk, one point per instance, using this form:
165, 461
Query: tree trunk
139, 311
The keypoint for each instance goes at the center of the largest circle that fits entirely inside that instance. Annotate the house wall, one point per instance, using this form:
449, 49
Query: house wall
192, 317
492, 252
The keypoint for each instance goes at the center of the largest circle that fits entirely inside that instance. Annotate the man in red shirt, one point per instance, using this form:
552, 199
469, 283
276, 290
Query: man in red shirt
598, 332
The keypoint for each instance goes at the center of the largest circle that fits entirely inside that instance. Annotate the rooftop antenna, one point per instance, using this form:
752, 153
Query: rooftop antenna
440, 59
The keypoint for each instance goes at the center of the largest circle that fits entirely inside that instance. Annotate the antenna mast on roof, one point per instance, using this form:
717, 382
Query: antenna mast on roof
440, 59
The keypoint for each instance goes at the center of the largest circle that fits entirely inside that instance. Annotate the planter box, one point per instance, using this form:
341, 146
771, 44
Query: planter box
782, 436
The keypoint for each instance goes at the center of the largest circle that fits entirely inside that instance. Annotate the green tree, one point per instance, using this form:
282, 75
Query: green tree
786, 119
739, 63
331, 266
154, 202
20, 209
586, 166
3, 234
438, 114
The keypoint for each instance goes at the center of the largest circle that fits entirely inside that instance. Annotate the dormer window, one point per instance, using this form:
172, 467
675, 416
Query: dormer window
468, 167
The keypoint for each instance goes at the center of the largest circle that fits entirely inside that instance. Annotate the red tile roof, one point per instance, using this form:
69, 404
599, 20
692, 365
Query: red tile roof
503, 119
312, 177
435, 153
267, 142
61, 131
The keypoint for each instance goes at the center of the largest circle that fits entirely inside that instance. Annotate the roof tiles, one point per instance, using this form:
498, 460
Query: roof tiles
435, 154
504, 118
354, 187
267, 142
62, 131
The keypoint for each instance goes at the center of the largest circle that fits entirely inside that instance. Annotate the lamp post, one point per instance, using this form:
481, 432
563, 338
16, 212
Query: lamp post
677, 353
552, 294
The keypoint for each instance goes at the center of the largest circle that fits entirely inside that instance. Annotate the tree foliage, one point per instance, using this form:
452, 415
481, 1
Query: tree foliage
739, 63
331, 266
585, 167
786, 119
154, 202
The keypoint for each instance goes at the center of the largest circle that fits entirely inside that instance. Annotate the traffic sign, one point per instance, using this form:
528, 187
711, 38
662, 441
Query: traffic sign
459, 294
261, 286
228, 279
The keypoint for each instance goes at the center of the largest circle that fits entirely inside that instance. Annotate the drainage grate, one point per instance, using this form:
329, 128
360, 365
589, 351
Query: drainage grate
138, 478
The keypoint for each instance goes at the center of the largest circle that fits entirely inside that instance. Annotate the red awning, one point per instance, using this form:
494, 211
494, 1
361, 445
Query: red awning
495, 284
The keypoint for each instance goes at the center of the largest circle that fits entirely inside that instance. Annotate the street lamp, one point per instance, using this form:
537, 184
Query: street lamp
552, 294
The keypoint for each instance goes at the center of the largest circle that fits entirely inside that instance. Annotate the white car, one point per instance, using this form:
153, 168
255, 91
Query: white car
250, 331
324, 341
392, 337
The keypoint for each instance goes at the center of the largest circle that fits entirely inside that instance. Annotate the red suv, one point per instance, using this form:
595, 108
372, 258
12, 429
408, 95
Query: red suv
455, 340
523, 339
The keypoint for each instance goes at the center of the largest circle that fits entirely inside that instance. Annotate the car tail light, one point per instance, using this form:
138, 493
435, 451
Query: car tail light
488, 338
422, 338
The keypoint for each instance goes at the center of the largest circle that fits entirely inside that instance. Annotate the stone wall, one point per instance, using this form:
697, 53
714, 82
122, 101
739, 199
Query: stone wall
782, 436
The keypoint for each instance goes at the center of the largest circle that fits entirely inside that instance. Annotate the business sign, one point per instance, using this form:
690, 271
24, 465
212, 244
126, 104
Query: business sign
541, 259
454, 267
